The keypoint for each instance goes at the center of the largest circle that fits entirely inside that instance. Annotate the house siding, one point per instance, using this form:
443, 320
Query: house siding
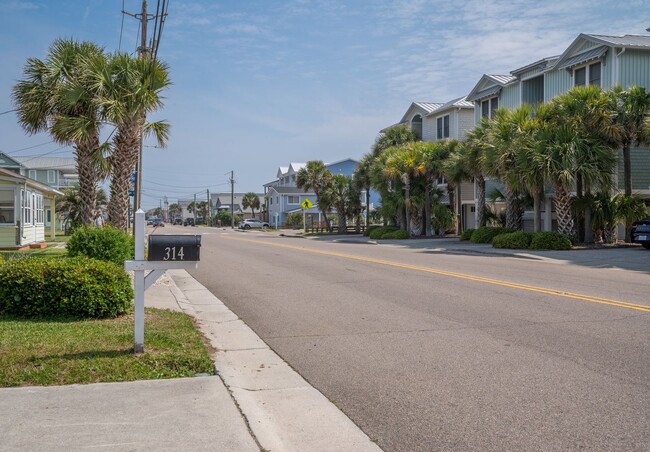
509, 97
556, 82
640, 159
467, 192
7, 236
634, 68
429, 128
465, 122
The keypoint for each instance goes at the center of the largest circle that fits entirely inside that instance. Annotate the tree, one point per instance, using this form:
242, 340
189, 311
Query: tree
472, 154
70, 207
362, 178
631, 114
56, 96
128, 88
434, 156
251, 200
175, 210
315, 176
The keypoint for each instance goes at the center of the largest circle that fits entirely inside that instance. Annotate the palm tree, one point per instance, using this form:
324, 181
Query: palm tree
362, 178
338, 194
69, 206
175, 210
472, 152
251, 200
128, 89
631, 114
315, 176
394, 136
433, 156
55, 96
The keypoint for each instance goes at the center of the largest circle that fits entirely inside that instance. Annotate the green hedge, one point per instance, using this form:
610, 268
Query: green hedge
105, 244
485, 234
371, 228
467, 234
76, 287
550, 241
513, 240
400, 234
378, 233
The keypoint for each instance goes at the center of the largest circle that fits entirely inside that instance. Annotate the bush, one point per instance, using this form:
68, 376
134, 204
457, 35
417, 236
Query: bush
77, 287
104, 244
550, 241
513, 240
467, 234
379, 232
294, 220
485, 234
400, 234
371, 228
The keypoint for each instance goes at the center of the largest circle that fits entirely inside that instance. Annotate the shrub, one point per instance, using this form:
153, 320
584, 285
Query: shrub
77, 287
294, 220
371, 228
400, 234
513, 240
550, 241
379, 232
467, 234
485, 234
104, 244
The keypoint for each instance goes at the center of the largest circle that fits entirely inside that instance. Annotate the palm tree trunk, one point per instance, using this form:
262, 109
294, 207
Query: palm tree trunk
562, 202
459, 209
627, 183
407, 201
512, 218
480, 200
537, 210
88, 176
122, 161
589, 233
428, 230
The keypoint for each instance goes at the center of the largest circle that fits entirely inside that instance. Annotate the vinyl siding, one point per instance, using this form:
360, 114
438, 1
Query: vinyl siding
7, 236
586, 45
465, 122
467, 192
640, 159
556, 82
634, 68
429, 128
509, 97
607, 70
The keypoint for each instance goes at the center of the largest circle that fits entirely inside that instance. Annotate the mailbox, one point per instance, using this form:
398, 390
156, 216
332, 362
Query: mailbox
174, 248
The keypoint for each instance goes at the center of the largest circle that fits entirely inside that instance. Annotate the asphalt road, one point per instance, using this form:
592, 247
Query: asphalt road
441, 350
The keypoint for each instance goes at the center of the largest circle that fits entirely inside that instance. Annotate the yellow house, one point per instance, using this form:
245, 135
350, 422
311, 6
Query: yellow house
22, 221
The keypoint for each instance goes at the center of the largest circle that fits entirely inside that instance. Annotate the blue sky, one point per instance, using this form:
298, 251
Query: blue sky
258, 84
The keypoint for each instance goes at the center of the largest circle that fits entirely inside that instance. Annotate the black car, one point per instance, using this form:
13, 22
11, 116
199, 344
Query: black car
188, 222
178, 221
641, 233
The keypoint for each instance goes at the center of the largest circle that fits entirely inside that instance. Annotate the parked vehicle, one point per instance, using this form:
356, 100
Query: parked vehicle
641, 233
188, 222
158, 223
253, 223
178, 221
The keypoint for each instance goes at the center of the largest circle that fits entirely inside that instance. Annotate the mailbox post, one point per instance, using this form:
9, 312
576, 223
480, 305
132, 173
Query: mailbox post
166, 252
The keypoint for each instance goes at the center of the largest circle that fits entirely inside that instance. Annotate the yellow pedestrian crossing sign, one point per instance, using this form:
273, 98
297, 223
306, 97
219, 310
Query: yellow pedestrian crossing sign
306, 204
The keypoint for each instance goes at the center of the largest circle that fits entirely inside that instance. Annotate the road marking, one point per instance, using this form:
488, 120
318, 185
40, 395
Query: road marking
555, 292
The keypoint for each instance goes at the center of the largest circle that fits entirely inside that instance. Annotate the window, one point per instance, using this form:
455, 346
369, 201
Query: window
31, 174
271, 201
38, 208
51, 176
443, 127
26, 206
7, 207
293, 199
587, 75
416, 125
489, 106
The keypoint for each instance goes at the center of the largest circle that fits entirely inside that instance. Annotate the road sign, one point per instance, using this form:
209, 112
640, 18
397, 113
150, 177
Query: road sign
306, 204
131, 193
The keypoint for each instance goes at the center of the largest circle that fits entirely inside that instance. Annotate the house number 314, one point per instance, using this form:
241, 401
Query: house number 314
171, 254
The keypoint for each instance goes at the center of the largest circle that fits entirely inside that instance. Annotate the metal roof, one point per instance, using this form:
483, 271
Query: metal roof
543, 63
502, 79
428, 106
491, 91
6, 174
38, 162
290, 190
591, 54
460, 102
634, 41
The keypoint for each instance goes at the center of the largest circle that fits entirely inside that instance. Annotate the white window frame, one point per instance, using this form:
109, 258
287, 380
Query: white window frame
52, 179
491, 110
440, 131
587, 68
31, 174
293, 196
26, 207
38, 208
9, 208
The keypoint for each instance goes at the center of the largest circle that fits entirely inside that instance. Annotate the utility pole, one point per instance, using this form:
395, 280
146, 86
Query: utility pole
194, 209
208, 220
232, 199
142, 52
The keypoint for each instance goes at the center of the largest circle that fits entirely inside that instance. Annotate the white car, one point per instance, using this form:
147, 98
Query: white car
253, 223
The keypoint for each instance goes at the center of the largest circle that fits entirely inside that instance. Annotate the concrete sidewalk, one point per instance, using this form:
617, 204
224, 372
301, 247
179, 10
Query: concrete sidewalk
257, 402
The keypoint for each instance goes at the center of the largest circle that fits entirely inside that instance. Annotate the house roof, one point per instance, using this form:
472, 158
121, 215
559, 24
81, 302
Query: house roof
38, 162
290, 190
349, 159
8, 162
296, 166
544, 63
460, 102
8, 175
584, 57
625, 41
489, 85
423, 108
282, 171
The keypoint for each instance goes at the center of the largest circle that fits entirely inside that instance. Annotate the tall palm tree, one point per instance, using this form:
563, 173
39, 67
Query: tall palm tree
56, 96
433, 157
394, 136
338, 193
632, 108
472, 152
362, 178
128, 89
456, 171
315, 176
251, 200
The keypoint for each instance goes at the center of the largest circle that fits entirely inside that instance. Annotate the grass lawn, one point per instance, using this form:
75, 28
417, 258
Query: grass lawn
59, 237
51, 352
36, 252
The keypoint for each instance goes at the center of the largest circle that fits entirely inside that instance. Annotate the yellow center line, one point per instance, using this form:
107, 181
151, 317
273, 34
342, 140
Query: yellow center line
555, 292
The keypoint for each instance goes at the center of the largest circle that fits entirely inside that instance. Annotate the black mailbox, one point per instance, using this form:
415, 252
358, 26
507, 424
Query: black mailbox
174, 248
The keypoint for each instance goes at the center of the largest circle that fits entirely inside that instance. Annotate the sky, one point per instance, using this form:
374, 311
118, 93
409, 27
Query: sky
258, 84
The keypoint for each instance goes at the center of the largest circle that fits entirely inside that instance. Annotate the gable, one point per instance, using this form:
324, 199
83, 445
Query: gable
8, 162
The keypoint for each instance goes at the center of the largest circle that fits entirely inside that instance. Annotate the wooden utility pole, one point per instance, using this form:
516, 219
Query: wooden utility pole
142, 52
232, 199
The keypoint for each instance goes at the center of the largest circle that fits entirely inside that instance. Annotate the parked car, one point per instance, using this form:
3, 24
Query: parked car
158, 223
188, 222
252, 223
178, 221
641, 233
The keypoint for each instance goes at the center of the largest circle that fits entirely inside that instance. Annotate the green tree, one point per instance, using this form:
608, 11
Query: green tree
69, 206
251, 200
175, 210
56, 96
472, 153
316, 177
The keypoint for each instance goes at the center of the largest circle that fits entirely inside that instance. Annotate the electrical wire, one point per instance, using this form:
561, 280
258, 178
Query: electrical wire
8, 111
119, 47
29, 147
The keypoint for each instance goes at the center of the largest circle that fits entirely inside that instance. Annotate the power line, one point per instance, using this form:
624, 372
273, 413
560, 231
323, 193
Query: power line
29, 147
192, 187
8, 111
119, 47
